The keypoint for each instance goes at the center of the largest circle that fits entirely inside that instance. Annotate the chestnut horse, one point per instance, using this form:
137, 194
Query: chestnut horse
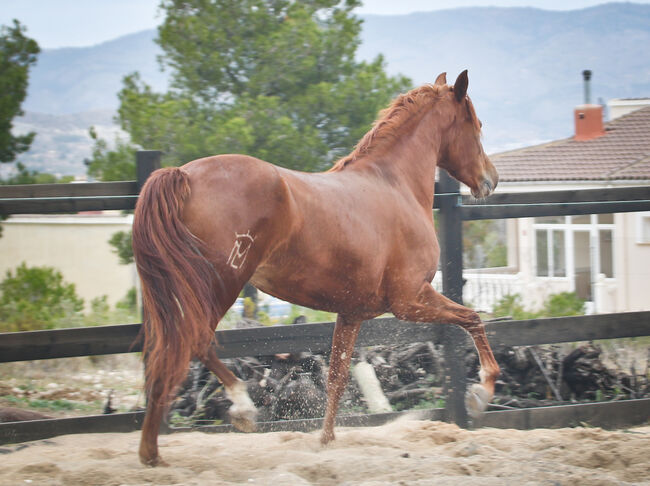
357, 240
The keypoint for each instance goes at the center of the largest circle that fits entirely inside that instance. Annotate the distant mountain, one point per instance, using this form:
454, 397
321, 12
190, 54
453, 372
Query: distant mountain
524, 68
524, 64
78, 79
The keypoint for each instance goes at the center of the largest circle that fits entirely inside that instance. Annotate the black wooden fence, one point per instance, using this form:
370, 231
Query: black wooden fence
316, 338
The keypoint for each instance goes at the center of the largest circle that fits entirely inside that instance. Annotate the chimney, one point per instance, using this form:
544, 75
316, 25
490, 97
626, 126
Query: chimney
588, 118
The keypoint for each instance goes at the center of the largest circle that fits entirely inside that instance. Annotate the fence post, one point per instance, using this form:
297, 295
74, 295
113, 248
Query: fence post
455, 340
146, 161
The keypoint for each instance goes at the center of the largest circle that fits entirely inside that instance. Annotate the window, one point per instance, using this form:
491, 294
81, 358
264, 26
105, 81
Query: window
581, 219
606, 253
551, 253
606, 219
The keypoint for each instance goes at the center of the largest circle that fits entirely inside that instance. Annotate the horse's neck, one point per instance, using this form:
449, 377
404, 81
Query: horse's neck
409, 163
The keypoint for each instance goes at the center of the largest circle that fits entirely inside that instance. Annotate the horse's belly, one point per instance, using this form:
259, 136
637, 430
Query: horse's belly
328, 291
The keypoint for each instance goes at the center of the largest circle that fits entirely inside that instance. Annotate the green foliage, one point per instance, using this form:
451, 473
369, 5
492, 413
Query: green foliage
117, 164
130, 301
36, 298
563, 304
275, 79
17, 54
511, 306
556, 305
484, 244
56, 405
310, 315
121, 243
26, 176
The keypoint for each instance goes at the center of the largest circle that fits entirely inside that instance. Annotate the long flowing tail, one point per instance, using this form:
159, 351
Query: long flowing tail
179, 285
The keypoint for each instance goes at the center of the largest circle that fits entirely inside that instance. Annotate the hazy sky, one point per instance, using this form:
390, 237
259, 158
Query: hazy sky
67, 23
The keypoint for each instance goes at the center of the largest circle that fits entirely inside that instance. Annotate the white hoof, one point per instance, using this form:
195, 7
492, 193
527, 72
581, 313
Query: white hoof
476, 400
242, 412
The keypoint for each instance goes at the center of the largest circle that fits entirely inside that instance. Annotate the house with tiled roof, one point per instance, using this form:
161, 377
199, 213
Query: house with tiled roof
604, 258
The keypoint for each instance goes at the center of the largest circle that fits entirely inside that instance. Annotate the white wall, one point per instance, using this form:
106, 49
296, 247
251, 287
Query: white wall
75, 245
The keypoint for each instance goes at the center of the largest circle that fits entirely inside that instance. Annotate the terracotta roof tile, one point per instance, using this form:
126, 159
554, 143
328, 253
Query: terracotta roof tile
623, 153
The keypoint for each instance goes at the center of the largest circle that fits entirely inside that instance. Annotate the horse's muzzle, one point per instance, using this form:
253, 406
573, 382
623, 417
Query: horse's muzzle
485, 188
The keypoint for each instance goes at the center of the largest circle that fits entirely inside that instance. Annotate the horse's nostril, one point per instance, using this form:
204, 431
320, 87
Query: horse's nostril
488, 185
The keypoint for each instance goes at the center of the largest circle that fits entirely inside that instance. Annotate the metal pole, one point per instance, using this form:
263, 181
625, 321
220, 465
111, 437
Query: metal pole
455, 340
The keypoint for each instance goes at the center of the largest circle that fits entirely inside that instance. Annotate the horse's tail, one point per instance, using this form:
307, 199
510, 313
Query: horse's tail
179, 295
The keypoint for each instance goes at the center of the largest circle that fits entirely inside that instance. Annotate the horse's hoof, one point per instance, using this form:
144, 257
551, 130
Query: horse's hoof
153, 461
243, 418
326, 437
476, 400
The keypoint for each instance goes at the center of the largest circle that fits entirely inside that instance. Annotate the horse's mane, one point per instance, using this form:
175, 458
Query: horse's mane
389, 119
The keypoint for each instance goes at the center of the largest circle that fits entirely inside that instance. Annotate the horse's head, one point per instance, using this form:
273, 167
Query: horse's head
462, 153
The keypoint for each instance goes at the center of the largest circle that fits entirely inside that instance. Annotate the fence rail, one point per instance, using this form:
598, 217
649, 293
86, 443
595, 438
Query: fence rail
453, 209
317, 337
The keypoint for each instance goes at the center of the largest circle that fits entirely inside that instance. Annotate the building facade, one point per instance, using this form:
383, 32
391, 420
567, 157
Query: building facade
605, 258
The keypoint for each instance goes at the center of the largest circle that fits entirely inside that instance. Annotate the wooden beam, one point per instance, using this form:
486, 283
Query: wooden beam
146, 161
569, 329
570, 196
608, 415
13, 432
65, 343
316, 337
550, 209
126, 188
48, 205
454, 339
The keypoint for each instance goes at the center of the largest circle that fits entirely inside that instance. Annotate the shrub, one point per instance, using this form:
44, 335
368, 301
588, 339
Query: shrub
557, 305
563, 304
36, 298
511, 306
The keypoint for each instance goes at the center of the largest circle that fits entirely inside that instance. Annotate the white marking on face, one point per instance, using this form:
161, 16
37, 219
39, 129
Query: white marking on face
239, 252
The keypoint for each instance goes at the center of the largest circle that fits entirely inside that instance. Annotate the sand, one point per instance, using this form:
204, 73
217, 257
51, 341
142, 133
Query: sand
405, 452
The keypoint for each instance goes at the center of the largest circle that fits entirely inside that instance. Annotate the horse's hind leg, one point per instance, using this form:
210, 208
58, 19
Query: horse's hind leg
242, 411
156, 405
345, 335
430, 306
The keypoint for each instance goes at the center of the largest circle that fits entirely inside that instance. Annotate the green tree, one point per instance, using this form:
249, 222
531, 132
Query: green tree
27, 176
106, 164
36, 298
276, 79
17, 53
121, 243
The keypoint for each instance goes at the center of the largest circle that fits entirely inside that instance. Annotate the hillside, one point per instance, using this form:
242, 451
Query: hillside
524, 65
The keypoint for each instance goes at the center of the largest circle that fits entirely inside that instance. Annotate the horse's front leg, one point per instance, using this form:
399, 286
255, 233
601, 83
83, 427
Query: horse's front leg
431, 306
242, 412
345, 335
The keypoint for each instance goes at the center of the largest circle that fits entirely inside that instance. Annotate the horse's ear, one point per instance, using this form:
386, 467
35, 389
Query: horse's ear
441, 80
460, 86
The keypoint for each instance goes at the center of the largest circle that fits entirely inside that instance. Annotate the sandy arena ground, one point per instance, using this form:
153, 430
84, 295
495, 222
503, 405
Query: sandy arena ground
405, 452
